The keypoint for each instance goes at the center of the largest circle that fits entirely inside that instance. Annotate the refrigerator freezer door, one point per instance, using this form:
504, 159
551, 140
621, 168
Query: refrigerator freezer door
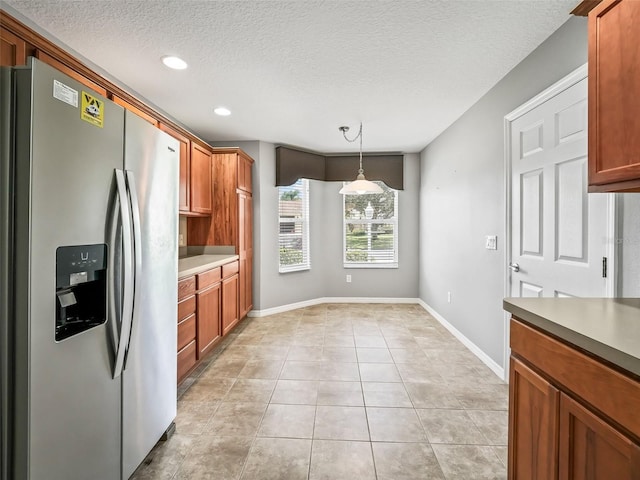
149, 379
6, 254
67, 416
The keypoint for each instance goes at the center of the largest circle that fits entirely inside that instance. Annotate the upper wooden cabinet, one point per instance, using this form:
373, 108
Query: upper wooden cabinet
196, 175
58, 65
132, 108
614, 96
185, 168
13, 49
244, 172
201, 180
233, 175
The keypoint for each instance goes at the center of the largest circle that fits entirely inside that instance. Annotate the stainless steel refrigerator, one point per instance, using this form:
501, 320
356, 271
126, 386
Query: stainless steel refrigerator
88, 265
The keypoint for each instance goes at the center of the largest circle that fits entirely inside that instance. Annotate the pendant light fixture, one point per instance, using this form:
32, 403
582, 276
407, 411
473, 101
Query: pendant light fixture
360, 185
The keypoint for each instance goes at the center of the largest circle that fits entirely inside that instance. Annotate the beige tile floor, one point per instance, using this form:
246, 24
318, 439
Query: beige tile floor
353, 391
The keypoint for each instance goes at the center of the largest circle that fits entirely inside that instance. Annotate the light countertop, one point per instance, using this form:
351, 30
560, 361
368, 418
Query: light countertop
195, 264
607, 327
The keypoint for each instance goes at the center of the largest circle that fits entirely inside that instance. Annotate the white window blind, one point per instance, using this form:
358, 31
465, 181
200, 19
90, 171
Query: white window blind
294, 227
371, 229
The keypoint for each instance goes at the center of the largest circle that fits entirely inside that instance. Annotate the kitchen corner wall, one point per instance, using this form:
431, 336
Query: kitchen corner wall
327, 275
462, 197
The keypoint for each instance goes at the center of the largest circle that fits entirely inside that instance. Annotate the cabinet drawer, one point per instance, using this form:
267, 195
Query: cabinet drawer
208, 278
186, 287
229, 269
186, 359
186, 331
609, 391
186, 307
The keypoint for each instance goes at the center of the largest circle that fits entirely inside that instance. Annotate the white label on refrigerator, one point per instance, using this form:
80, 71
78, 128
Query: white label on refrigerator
65, 94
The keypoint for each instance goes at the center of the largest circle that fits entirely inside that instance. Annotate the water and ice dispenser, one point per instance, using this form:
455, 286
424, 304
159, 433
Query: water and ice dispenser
81, 288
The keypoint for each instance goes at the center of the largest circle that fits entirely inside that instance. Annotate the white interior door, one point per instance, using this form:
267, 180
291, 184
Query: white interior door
559, 233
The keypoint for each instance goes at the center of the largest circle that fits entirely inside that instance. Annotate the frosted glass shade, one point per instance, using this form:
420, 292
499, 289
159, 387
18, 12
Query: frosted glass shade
360, 186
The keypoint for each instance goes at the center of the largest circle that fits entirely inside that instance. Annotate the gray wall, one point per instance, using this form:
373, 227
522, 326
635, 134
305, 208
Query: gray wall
462, 195
628, 244
327, 275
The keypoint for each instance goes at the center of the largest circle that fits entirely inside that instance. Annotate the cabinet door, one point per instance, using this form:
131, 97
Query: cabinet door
142, 114
186, 360
614, 83
590, 448
208, 317
229, 303
245, 250
185, 167
13, 49
244, 174
200, 180
533, 425
58, 65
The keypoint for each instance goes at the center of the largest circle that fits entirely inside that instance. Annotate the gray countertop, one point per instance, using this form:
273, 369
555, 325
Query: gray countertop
195, 264
607, 327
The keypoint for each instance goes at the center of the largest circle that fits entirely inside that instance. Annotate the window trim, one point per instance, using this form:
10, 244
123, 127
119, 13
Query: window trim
306, 229
394, 220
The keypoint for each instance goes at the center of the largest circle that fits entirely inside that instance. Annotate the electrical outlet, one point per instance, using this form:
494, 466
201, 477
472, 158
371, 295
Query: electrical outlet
491, 242
448, 297
348, 278
181, 240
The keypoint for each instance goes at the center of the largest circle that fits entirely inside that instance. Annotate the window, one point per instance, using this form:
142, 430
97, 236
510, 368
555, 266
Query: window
294, 227
371, 229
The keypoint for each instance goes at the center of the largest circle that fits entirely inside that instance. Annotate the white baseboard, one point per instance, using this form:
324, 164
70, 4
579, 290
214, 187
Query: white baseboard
486, 359
321, 300
284, 308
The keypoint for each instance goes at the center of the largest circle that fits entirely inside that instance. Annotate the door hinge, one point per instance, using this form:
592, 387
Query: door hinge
604, 267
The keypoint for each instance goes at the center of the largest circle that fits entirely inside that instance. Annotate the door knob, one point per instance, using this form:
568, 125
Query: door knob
514, 267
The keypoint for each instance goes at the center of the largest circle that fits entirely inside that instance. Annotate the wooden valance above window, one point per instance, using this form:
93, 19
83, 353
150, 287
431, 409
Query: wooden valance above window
292, 164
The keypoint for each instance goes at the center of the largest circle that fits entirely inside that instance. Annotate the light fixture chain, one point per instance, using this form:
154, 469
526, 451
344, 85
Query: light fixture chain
358, 136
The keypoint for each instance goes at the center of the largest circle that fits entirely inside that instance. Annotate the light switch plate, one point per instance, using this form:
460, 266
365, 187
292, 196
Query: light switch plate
491, 242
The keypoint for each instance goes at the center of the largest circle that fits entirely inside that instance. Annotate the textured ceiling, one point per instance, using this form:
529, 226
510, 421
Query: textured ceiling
293, 71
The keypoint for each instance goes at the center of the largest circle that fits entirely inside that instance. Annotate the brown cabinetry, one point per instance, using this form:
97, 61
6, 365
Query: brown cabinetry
132, 108
233, 215
591, 448
230, 314
13, 49
571, 416
614, 96
201, 180
187, 353
208, 310
184, 196
533, 423
231, 223
58, 65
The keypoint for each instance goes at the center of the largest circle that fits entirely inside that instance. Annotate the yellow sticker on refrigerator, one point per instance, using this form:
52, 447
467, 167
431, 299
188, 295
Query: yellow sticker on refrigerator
92, 110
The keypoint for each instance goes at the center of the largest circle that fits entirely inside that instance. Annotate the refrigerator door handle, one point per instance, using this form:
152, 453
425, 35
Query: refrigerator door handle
137, 252
114, 281
127, 294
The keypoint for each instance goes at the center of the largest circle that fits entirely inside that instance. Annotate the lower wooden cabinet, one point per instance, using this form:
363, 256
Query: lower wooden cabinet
230, 316
571, 416
186, 360
533, 425
208, 318
208, 308
187, 352
591, 448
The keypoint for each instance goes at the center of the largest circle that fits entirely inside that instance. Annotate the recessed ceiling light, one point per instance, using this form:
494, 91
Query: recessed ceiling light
174, 62
222, 111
